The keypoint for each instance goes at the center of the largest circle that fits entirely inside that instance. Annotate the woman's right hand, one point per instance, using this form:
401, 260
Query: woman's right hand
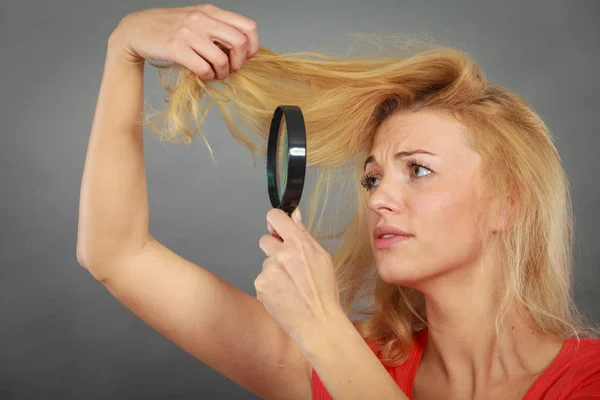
187, 36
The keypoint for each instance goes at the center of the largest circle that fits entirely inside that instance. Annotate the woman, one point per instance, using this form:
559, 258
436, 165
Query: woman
461, 233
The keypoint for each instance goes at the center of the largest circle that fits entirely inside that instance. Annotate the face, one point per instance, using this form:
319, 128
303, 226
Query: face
424, 187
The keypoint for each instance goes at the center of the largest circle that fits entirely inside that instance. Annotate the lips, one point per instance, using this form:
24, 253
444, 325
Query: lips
388, 230
387, 236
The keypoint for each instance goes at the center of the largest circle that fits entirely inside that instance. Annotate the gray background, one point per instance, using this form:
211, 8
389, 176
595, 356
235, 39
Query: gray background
62, 335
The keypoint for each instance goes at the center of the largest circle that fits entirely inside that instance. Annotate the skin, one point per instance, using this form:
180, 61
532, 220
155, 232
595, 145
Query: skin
441, 206
297, 285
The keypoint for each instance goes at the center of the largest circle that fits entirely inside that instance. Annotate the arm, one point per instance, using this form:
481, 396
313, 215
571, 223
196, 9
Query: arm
113, 207
299, 289
220, 325
215, 322
345, 364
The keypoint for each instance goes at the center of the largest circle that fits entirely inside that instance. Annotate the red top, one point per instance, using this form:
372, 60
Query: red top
573, 375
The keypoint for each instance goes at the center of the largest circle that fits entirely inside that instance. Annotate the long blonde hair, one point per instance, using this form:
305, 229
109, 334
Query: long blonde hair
344, 100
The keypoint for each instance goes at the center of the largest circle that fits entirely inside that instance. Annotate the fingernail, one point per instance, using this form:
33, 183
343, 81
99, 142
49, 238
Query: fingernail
296, 215
269, 226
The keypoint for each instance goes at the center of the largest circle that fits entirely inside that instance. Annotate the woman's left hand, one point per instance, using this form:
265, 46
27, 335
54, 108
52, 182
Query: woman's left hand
297, 284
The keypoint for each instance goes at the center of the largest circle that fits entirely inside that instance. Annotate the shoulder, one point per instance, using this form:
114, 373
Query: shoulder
583, 367
574, 374
578, 353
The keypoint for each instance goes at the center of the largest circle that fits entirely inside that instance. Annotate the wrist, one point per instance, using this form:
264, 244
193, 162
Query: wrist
326, 333
118, 47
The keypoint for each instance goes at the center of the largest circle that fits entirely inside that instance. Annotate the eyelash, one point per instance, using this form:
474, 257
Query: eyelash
364, 182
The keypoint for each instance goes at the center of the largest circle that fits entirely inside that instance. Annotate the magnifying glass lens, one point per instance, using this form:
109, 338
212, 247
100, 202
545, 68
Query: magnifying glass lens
286, 158
282, 158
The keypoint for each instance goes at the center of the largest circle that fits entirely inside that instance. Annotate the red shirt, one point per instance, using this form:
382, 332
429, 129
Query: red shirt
573, 375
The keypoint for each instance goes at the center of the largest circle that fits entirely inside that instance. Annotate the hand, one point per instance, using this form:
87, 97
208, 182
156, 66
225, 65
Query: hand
297, 285
187, 36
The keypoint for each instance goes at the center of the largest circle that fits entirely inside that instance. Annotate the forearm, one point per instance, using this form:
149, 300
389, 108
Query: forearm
113, 209
346, 365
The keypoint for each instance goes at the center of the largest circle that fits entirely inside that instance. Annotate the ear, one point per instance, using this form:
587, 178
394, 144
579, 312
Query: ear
503, 218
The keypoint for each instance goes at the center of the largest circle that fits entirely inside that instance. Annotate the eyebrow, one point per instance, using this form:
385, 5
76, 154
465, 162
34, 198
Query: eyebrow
371, 159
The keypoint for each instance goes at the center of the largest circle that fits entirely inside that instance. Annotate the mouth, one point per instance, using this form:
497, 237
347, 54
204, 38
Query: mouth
387, 236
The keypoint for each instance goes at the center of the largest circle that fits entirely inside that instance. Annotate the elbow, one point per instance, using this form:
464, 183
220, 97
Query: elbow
81, 256
85, 261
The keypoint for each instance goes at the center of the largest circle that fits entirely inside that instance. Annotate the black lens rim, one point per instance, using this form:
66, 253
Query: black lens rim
296, 151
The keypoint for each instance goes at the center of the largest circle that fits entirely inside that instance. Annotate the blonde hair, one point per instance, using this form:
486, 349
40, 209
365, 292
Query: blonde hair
344, 100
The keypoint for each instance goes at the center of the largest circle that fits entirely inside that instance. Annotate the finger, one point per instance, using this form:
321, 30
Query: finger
257, 288
272, 230
190, 58
235, 49
215, 57
297, 218
269, 244
247, 26
283, 225
270, 262
225, 34
214, 30
207, 23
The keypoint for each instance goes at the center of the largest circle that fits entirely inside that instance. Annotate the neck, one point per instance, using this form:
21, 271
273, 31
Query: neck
464, 346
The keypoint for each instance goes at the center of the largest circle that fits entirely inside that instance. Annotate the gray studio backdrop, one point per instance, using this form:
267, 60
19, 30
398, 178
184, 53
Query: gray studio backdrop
62, 335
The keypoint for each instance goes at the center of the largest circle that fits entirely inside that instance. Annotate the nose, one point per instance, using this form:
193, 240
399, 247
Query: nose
386, 198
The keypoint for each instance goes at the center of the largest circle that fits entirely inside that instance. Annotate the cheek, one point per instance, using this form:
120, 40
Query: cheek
434, 209
371, 220
442, 218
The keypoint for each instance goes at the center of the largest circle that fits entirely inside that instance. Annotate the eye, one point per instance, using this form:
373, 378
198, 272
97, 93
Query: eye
367, 181
420, 169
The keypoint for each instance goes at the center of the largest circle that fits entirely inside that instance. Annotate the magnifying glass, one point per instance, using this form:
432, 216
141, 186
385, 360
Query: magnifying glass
286, 158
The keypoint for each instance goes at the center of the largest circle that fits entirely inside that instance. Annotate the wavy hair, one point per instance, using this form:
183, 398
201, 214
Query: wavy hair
344, 100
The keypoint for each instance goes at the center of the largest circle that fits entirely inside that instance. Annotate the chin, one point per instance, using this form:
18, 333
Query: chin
400, 273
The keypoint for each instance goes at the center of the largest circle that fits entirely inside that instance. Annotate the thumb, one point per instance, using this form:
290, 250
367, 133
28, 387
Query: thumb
297, 218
